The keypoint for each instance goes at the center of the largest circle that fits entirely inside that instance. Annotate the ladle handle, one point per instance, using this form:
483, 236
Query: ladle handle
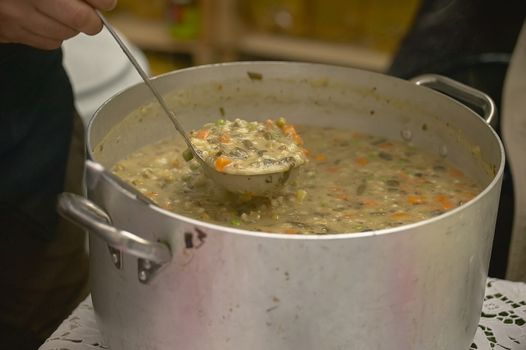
145, 77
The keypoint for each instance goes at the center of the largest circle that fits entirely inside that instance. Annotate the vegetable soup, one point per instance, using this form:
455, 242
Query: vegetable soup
353, 182
248, 148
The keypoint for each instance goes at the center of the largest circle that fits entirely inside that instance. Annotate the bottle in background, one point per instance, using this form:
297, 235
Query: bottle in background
184, 19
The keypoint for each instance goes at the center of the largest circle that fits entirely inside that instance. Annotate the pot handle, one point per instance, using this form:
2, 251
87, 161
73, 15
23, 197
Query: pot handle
89, 216
461, 92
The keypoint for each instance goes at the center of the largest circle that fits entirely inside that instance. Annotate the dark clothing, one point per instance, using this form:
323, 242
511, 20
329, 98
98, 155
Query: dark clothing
36, 120
447, 34
43, 262
470, 41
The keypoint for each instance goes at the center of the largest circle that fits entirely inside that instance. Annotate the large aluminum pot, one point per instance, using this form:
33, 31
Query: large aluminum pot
164, 281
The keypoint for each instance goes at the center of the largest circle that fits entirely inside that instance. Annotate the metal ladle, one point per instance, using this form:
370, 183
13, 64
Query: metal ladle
257, 184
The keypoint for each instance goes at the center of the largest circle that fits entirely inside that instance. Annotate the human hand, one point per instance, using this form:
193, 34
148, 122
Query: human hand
44, 24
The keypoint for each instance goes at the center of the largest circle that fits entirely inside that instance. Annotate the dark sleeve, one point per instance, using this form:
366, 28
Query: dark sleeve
36, 119
450, 33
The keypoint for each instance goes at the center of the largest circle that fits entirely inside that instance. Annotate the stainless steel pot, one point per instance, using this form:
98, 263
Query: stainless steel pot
164, 281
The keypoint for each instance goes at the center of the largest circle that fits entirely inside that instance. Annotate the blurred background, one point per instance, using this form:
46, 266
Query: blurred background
166, 35
179, 33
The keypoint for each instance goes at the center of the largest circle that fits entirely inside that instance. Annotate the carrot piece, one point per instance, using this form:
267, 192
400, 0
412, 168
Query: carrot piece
414, 199
444, 201
151, 194
298, 140
332, 169
290, 231
339, 192
289, 130
221, 163
224, 138
456, 173
320, 157
349, 215
342, 196
368, 202
385, 145
202, 134
403, 176
361, 161
399, 215
357, 135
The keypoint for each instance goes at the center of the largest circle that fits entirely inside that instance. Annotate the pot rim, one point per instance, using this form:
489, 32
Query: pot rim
333, 236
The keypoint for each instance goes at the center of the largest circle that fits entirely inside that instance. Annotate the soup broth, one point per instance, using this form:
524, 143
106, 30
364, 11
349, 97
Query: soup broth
353, 182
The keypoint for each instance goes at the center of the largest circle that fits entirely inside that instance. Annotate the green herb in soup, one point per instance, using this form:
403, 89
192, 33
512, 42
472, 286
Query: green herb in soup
352, 183
248, 148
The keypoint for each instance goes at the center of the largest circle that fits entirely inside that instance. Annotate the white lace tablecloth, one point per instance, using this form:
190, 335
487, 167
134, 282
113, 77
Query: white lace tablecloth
502, 324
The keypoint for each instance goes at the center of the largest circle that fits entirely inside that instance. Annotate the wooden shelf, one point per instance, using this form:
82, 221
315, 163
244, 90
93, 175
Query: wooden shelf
154, 35
290, 48
151, 34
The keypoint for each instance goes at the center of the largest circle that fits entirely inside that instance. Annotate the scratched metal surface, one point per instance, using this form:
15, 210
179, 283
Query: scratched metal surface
502, 323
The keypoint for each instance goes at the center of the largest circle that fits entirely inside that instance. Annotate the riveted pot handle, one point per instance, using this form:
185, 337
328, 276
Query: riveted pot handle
461, 92
89, 216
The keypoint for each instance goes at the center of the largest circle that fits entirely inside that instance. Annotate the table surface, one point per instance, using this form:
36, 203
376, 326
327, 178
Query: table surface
502, 324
